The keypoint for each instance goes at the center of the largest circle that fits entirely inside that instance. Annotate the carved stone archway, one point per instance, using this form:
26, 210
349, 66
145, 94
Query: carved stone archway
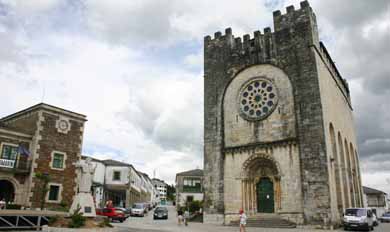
255, 168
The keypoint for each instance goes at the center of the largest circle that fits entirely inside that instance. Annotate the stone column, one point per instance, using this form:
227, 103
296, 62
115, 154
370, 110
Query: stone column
253, 196
245, 196
242, 194
278, 193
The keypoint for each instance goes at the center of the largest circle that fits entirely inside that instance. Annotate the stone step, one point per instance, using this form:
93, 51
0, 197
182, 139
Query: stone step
266, 221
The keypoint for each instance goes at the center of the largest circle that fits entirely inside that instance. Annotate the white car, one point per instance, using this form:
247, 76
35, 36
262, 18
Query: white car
358, 219
385, 217
138, 209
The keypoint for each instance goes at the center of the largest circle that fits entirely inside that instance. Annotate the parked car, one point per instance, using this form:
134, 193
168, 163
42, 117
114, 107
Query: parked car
385, 217
125, 211
160, 213
138, 209
358, 218
112, 213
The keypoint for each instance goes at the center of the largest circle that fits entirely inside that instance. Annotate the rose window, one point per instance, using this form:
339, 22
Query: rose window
258, 98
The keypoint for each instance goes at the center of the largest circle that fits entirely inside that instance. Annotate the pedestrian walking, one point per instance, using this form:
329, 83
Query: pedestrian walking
186, 217
179, 216
242, 220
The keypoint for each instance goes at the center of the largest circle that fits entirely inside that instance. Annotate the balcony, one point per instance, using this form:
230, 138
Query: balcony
16, 166
192, 189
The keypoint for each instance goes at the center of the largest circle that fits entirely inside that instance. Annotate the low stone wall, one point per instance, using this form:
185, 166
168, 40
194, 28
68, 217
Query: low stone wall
56, 229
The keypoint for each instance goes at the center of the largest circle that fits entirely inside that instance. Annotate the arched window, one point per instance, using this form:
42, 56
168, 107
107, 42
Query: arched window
337, 169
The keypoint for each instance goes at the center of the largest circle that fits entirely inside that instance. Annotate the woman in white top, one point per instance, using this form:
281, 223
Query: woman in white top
242, 220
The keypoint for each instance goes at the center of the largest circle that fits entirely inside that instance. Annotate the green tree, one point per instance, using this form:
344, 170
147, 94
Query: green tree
171, 192
44, 178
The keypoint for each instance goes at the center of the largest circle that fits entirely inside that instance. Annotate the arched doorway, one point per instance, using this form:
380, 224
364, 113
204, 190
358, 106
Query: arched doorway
265, 195
260, 186
7, 191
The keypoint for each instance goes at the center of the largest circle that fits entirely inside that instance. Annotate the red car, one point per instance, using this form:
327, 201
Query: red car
112, 213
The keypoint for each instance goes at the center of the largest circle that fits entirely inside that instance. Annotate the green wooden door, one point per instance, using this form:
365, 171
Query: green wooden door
265, 196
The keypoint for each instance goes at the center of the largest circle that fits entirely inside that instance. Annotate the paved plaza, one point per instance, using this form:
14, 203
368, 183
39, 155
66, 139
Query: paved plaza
147, 224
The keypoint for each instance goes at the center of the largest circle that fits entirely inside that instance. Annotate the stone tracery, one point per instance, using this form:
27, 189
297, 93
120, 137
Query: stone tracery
258, 98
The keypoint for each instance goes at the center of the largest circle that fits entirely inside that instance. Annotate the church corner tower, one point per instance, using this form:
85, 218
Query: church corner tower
279, 135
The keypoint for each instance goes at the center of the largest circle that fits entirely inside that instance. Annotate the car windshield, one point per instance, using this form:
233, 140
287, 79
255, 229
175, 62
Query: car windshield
137, 206
161, 209
355, 212
386, 215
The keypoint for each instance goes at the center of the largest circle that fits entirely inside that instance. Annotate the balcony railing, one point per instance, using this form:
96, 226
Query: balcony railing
192, 189
15, 165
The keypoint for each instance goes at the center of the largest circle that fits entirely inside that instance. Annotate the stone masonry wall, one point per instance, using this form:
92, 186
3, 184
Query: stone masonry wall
279, 125
51, 140
289, 49
287, 159
338, 112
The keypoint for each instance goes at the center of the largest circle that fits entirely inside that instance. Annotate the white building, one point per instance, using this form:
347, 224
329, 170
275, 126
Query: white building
161, 188
376, 200
121, 183
189, 186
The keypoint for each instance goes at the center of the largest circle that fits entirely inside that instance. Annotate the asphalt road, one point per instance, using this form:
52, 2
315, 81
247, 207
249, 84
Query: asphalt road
147, 224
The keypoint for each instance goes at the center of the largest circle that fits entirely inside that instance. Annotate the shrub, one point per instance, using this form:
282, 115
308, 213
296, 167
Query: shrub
14, 206
53, 219
194, 206
76, 219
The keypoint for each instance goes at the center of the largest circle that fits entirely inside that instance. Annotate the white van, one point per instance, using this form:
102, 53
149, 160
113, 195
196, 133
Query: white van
358, 218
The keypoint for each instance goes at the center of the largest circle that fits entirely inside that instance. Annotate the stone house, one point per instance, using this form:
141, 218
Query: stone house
189, 186
279, 135
40, 139
376, 200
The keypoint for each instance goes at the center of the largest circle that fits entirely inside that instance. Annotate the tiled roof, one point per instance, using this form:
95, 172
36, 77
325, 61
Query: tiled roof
44, 106
368, 190
195, 172
110, 162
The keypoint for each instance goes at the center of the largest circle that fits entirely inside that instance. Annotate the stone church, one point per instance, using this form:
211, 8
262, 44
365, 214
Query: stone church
279, 134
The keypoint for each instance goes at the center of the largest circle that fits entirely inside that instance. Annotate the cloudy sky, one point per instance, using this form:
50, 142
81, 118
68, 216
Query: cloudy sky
135, 69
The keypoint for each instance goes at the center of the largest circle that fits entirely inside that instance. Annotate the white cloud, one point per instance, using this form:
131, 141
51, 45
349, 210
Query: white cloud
22, 7
103, 59
162, 23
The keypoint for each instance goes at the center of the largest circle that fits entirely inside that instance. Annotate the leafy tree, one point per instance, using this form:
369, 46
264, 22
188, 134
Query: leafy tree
44, 179
171, 192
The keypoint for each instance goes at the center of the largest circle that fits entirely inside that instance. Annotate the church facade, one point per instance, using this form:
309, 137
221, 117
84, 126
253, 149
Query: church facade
279, 135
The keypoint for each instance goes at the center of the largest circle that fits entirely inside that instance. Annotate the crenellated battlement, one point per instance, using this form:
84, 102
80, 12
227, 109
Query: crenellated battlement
259, 45
281, 21
292, 16
267, 46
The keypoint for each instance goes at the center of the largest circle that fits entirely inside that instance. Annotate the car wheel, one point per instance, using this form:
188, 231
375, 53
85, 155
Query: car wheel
345, 228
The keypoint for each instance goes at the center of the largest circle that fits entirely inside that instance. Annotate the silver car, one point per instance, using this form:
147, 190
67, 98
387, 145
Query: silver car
138, 209
385, 217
